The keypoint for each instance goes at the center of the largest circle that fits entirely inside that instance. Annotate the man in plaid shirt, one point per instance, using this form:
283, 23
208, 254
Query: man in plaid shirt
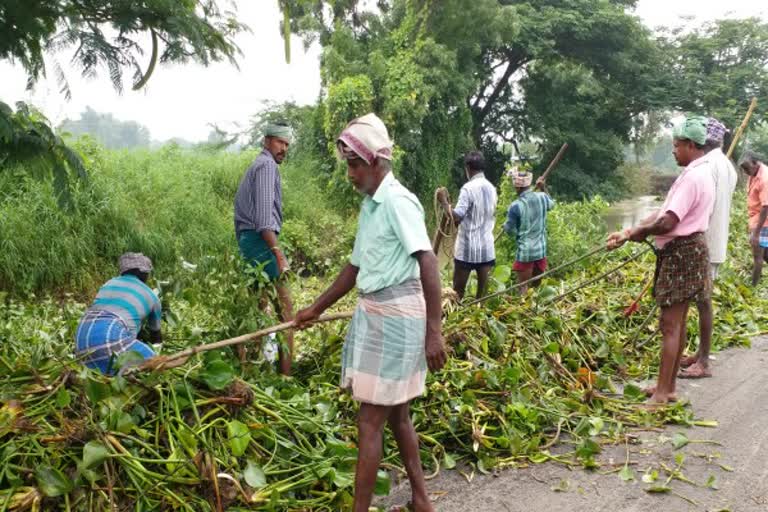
527, 220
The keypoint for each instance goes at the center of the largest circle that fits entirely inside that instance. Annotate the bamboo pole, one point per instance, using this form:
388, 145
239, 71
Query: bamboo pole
555, 161
169, 361
742, 127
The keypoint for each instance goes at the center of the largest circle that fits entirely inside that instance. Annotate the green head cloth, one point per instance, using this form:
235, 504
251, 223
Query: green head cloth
693, 128
278, 130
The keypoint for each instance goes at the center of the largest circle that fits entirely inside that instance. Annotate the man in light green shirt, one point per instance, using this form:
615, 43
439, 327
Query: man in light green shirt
395, 332
390, 229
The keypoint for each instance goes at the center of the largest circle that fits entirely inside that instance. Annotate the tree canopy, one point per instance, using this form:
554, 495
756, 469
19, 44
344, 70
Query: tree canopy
451, 75
112, 35
104, 35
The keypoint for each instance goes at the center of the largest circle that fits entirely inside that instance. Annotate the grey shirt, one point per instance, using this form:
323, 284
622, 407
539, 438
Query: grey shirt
259, 198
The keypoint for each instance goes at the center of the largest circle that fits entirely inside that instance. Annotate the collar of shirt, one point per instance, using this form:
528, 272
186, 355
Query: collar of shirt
384, 187
477, 176
266, 152
759, 175
524, 193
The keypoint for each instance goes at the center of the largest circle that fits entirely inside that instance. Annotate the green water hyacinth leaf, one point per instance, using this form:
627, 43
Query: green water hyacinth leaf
597, 425
634, 392
52, 482
658, 489
711, 483
343, 479
96, 390
650, 476
94, 453
547, 293
63, 398
218, 374
498, 330
239, 437
254, 475
383, 483
448, 461
679, 440
502, 273
626, 474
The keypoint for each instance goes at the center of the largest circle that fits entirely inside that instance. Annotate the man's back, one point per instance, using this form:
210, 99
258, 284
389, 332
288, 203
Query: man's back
129, 298
528, 218
477, 208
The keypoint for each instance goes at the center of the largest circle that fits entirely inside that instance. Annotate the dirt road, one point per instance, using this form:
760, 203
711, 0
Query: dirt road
735, 454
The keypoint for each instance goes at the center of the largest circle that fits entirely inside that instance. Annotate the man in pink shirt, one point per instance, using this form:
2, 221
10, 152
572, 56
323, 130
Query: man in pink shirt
757, 208
682, 265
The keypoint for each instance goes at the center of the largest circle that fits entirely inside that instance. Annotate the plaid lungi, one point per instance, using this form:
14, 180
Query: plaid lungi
383, 360
762, 240
682, 271
102, 336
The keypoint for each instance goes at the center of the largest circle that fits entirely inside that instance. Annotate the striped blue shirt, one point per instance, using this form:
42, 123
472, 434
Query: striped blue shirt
527, 219
129, 298
259, 198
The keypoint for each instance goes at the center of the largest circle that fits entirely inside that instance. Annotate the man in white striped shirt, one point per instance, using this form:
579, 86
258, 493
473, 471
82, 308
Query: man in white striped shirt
475, 213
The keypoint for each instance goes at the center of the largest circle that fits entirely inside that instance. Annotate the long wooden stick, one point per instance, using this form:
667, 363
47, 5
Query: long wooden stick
160, 362
742, 127
555, 161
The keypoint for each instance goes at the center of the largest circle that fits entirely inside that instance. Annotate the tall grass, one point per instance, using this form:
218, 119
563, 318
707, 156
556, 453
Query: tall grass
170, 204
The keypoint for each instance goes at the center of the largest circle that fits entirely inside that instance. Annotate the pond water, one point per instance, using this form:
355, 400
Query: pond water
629, 212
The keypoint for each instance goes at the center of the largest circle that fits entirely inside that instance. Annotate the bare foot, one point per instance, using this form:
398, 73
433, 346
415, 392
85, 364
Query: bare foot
695, 371
687, 361
649, 392
421, 504
659, 400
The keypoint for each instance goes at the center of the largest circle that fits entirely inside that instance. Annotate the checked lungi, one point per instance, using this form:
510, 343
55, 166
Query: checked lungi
682, 271
383, 360
101, 337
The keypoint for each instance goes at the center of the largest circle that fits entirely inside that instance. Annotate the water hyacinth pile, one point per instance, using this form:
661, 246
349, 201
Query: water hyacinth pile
524, 374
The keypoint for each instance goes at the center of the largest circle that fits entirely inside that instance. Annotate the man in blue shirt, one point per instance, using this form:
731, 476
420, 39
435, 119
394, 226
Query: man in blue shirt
527, 220
258, 221
112, 324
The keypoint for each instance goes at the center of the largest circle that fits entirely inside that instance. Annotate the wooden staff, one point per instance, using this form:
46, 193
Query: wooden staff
742, 127
555, 161
173, 360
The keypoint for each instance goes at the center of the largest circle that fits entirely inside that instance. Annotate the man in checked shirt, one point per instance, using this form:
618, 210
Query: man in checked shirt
259, 218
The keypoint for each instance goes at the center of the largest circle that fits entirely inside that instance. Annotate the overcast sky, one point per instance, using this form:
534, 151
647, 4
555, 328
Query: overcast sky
180, 101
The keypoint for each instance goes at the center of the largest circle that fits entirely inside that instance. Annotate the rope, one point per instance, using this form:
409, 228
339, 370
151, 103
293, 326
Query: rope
594, 251
446, 227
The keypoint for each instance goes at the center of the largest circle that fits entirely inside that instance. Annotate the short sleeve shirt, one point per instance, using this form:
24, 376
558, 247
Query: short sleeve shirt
691, 199
757, 195
129, 298
527, 220
390, 230
477, 208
